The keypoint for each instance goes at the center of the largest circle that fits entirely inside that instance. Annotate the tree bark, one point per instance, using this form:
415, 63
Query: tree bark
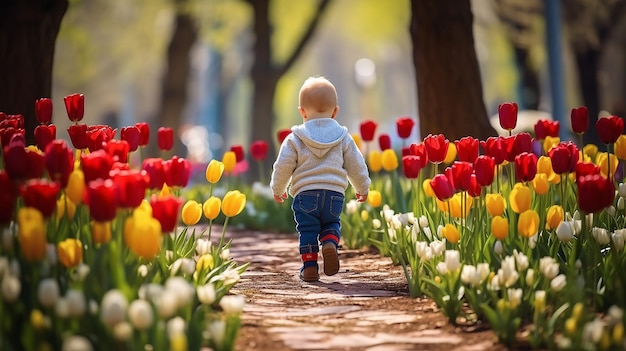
28, 32
174, 85
449, 86
265, 74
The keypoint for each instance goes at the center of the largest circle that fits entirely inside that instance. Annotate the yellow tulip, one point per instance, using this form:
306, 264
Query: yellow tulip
620, 147
214, 171
550, 142
519, 198
100, 232
211, 207
540, 184
357, 140
191, 213
500, 227
374, 198
428, 190
602, 159
389, 160
365, 215
144, 207
450, 154
554, 217
591, 150
544, 166
63, 204
165, 191
142, 235
230, 161
205, 262
451, 233
374, 161
528, 223
70, 252
495, 204
453, 205
31, 233
76, 187
233, 203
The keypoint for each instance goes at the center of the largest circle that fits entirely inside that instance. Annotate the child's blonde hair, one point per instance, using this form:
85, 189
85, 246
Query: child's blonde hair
318, 95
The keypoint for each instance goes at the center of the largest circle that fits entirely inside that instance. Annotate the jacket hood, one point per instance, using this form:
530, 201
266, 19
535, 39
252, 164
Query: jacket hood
320, 134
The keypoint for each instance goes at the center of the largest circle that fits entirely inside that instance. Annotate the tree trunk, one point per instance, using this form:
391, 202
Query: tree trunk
449, 87
265, 75
175, 79
28, 32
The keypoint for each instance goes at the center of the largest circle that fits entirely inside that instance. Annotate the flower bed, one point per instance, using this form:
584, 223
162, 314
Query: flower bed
92, 255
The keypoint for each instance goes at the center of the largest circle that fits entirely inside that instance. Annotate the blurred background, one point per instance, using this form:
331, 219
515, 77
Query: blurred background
123, 54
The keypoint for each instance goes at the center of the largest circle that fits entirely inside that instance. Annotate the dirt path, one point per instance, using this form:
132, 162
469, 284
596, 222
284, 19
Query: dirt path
364, 307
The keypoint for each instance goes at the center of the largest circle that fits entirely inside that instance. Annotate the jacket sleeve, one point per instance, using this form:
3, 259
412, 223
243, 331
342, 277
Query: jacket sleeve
284, 167
354, 163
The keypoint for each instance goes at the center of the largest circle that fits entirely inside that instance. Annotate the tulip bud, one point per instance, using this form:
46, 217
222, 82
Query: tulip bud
558, 282
76, 342
113, 308
11, 288
140, 314
498, 249
48, 292
76, 304
122, 331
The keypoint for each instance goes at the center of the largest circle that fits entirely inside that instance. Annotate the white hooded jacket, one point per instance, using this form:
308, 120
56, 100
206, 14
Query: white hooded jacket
319, 154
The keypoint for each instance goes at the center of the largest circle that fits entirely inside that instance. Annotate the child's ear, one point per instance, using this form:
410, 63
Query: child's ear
335, 111
302, 112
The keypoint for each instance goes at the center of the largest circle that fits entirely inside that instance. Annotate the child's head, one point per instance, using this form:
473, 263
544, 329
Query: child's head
318, 99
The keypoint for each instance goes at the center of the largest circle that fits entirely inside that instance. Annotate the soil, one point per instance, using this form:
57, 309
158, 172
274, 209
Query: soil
366, 306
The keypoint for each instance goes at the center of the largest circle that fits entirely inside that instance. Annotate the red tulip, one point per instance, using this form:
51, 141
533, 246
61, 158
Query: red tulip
461, 173
586, 168
43, 110
258, 150
118, 149
384, 142
442, 187
75, 107
21, 163
436, 147
525, 167
131, 135
239, 152
411, 166
282, 134
156, 172
595, 193
78, 135
103, 198
544, 128
98, 135
44, 134
165, 210
59, 161
404, 125
40, 194
580, 119
474, 189
484, 168
507, 112
420, 150
8, 196
132, 185
96, 165
177, 171
564, 157
467, 149
368, 130
165, 138
144, 133
520, 143
3, 117
610, 128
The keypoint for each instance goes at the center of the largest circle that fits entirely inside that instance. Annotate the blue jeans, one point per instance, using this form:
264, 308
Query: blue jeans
317, 215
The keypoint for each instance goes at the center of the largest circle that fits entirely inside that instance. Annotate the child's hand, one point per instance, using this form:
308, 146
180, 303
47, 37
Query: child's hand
361, 197
280, 198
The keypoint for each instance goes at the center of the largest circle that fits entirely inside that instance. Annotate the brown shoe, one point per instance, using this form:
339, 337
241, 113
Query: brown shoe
309, 274
331, 258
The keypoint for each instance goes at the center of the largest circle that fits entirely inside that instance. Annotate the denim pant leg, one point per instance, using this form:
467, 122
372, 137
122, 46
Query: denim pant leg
331, 217
306, 208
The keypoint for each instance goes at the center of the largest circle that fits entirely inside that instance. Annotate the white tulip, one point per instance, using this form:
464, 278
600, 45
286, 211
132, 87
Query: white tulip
75, 302
618, 239
565, 232
483, 270
498, 249
620, 203
592, 331
611, 210
521, 260
140, 314
122, 331
48, 292
142, 270
438, 247
217, 330
206, 293
203, 247
183, 290
549, 267
469, 275
233, 304
420, 249
621, 189
175, 326
428, 233
452, 259
7, 239
225, 254
441, 268
351, 207
559, 282
601, 235
515, 297
423, 221
150, 291
11, 288
76, 343
62, 308
169, 255
167, 304
532, 241
113, 308
376, 223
